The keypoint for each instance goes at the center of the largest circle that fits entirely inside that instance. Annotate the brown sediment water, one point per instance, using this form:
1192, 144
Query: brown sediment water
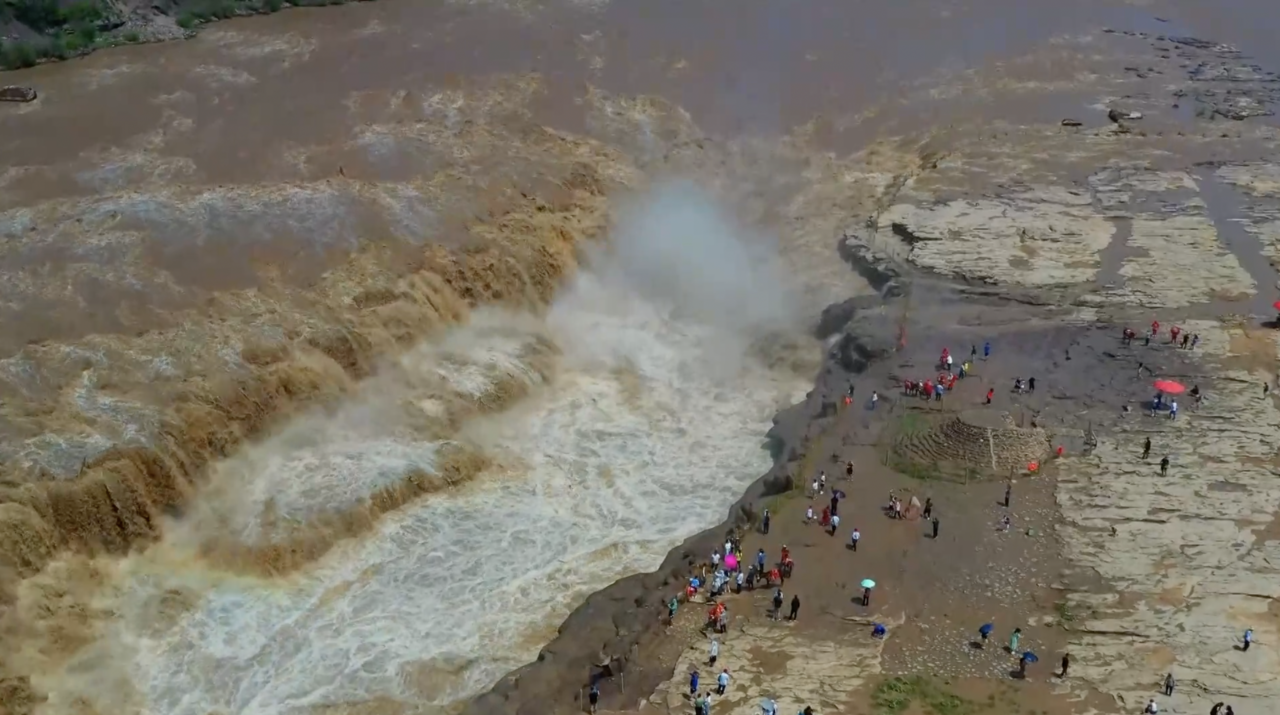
222, 259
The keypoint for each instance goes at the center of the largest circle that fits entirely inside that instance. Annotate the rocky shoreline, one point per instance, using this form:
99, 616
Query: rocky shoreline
619, 629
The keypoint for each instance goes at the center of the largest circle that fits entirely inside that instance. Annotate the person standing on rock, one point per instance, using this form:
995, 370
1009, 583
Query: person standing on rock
1164, 466
1266, 389
928, 508
1248, 639
854, 538
1066, 664
714, 654
693, 683
593, 696
935, 528
1173, 410
722, 681
1169, 684
835, 524
1146, 448
835, 504
990, 393
765, 523
1014, 639
986, 350
848, 469
875, 398
1186, 338
1031, 384
795, 608
1008, 495
1173, 334
760, 559
866, 598
777, 603
1195, 340
973, 351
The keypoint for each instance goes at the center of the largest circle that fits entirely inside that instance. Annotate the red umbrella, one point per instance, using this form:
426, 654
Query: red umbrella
1171, 387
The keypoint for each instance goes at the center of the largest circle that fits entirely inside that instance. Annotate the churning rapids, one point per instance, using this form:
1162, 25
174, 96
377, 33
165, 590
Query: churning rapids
628, 417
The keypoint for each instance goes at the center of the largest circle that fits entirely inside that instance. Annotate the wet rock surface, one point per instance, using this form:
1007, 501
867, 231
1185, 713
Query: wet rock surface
1134, 574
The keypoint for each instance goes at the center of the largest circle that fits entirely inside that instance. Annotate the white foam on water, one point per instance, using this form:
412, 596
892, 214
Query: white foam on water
649, 431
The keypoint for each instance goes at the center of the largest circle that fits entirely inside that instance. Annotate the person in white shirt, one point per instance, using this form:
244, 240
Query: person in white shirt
715, 557
715, 652
1152, 708
722, 681
835, 523
854, 537
808, 514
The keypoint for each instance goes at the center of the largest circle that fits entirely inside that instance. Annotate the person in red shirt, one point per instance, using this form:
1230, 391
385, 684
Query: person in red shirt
990, 393
1173, 334
1155, 328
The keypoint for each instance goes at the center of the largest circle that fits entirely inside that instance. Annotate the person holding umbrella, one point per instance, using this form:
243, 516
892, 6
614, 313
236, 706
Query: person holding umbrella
984, 632
1026, 658
867, 585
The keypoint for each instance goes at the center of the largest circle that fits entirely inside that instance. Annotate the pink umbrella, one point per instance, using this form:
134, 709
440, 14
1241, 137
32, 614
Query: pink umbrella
731, 562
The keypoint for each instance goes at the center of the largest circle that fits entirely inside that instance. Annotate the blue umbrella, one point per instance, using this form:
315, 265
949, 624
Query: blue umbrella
1030, 657
986, 629
839, 494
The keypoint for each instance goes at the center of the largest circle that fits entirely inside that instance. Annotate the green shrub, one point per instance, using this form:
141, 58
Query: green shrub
39, 15
274, 5
88, 34
57, 49
17, 55
132, 36
86, 12
187, 20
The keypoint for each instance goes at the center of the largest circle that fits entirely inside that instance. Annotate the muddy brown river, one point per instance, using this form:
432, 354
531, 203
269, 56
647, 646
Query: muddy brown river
266, 451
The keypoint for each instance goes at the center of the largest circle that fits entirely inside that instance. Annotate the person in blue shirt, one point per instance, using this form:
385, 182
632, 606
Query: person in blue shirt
693, 683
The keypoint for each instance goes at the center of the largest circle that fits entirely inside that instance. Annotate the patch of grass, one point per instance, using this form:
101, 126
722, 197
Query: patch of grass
896, 695
911, 424
273, 5
187, 21
131, 36
1065, 614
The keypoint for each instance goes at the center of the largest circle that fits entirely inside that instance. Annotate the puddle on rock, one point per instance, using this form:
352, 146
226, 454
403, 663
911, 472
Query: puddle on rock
1226, 209
1117, 253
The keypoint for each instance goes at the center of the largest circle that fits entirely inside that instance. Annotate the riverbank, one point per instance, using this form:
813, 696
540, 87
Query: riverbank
1118, 225
36, 31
